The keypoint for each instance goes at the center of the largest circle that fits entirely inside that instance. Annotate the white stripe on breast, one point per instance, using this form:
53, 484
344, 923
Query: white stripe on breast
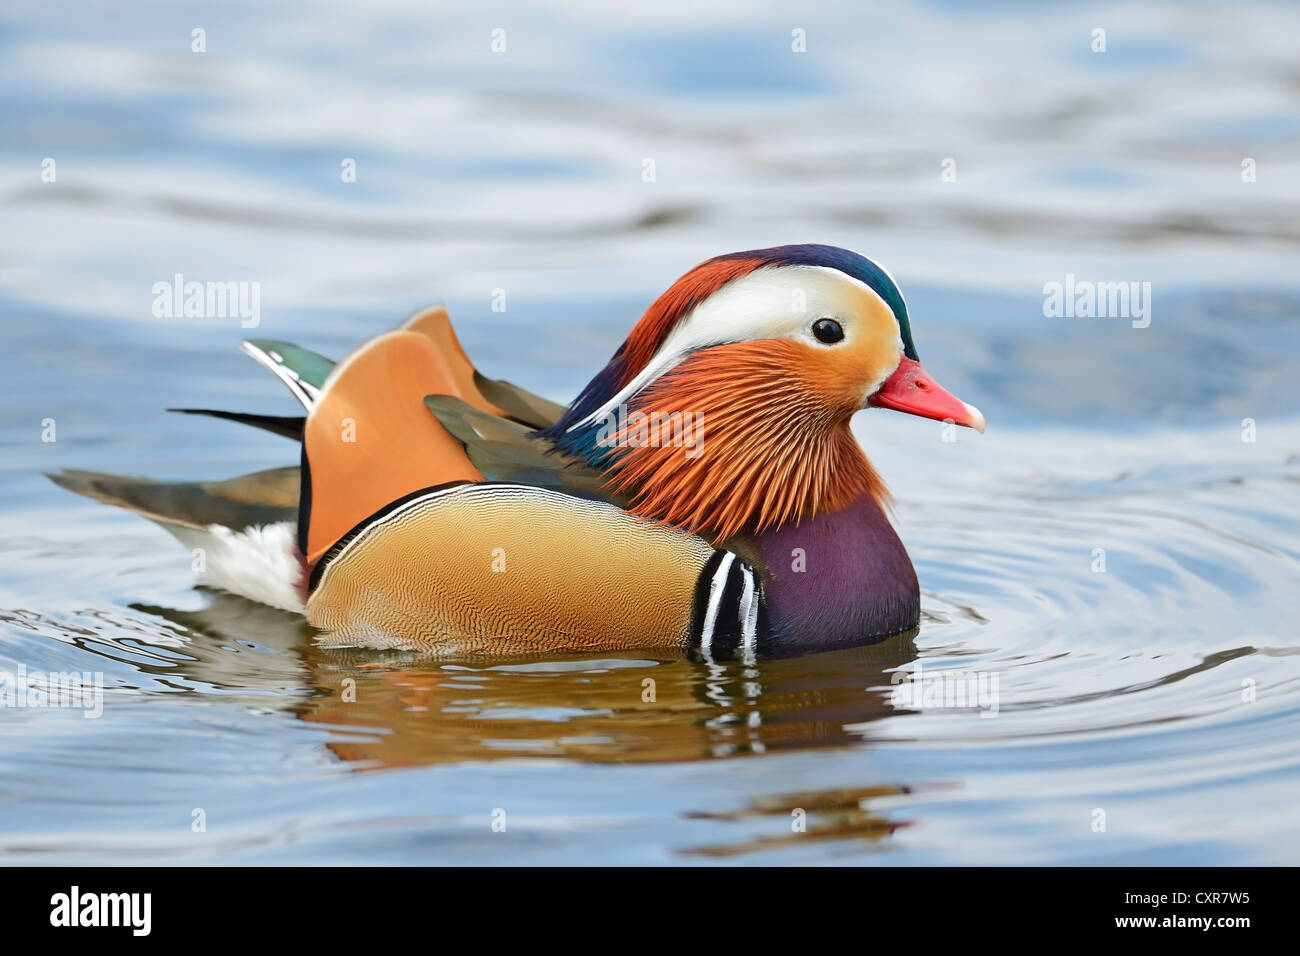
749, 602
717, 585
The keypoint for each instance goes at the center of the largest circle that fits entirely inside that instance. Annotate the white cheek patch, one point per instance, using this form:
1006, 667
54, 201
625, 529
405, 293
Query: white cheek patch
772, 302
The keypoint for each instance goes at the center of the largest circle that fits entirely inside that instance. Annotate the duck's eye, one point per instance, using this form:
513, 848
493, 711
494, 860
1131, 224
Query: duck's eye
828, 331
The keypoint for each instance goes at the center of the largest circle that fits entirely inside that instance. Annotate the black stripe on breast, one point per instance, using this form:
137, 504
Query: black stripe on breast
724, 639
701, 603
726, 624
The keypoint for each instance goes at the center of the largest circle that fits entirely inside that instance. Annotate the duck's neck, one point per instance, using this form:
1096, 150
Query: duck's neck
836, 579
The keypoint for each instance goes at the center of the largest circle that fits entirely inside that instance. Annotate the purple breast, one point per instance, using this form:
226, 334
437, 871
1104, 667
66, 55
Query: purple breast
837, 580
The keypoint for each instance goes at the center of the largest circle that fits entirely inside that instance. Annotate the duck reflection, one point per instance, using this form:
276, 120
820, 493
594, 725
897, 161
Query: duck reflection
392, 709
814, 816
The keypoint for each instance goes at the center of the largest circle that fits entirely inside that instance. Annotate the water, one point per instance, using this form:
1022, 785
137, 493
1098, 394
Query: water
1112, 550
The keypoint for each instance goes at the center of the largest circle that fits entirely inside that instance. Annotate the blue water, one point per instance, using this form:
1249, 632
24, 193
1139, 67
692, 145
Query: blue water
1148, 706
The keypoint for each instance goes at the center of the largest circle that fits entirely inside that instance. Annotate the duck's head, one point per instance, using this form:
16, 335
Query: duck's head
745, 374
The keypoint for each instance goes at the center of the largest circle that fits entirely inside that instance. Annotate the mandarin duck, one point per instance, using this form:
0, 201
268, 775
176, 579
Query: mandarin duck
703, 492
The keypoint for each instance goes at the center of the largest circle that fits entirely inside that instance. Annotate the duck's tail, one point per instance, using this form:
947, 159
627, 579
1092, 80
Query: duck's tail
241, 531
366, 431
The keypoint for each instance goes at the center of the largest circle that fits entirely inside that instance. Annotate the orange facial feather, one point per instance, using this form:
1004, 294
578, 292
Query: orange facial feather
771, 424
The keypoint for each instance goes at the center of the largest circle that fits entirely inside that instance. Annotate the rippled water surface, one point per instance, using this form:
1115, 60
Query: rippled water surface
1119, 551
